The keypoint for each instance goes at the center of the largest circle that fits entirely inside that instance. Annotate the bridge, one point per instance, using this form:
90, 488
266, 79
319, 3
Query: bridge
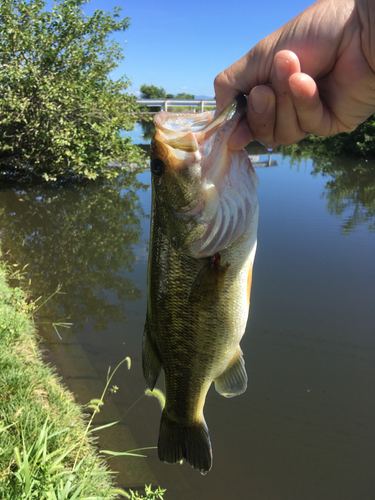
164, 103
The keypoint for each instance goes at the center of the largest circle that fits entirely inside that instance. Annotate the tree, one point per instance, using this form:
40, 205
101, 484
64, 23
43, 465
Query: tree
61, 114
357, 144
184, 96
152, 92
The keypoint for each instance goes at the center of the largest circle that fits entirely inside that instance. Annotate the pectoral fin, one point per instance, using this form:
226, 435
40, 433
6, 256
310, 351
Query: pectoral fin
150, 361
210, 279
233, 381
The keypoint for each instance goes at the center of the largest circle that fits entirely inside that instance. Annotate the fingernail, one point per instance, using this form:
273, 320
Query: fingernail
296, 91
259, 101
281, 69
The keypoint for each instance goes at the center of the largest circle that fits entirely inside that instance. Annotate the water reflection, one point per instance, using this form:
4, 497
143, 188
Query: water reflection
350, 190
148, 129
305, 428
80, 238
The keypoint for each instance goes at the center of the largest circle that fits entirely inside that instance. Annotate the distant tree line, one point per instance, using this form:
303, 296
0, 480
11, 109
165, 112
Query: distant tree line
153, 92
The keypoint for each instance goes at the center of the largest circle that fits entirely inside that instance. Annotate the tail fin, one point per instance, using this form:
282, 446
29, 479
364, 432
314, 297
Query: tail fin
189, 442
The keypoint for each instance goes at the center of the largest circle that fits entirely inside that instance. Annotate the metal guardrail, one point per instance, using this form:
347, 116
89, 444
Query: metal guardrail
164, 103
265, 163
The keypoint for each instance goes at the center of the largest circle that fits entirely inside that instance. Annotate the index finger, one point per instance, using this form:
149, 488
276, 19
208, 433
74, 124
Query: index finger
252, 69
229, 83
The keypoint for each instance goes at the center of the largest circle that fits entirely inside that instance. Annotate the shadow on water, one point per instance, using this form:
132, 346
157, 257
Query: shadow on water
80, 237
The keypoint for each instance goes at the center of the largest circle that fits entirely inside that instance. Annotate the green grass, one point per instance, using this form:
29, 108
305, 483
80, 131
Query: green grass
47, 449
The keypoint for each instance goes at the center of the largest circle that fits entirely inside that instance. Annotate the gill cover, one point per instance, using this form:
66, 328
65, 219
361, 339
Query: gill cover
205, 192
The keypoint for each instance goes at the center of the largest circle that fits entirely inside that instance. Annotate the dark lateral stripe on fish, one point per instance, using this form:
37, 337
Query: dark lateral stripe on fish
191, 443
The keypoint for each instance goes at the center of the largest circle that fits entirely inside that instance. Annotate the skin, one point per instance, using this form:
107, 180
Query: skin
316, 74
197, 304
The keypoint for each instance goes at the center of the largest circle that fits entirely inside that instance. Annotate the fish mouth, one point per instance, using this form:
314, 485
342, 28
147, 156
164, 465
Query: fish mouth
188, 132
235, 107
213, 141
212, 195
182, 140
229, 185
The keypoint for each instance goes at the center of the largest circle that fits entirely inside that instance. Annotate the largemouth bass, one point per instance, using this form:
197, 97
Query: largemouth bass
202, 247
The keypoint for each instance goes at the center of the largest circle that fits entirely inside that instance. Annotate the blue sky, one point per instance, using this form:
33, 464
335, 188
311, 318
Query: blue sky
182, 46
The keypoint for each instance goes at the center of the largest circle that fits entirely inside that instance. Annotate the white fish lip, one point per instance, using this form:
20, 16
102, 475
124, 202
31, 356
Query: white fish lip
223, 208
187, 132
238, 105
229, 174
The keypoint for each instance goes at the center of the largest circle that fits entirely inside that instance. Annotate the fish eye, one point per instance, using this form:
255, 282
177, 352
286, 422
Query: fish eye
157, 166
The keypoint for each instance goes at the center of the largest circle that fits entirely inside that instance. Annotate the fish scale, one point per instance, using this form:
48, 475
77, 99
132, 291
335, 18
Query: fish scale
199, 273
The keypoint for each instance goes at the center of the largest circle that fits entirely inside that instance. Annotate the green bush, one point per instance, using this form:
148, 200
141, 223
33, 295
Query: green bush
61, 114
357, 144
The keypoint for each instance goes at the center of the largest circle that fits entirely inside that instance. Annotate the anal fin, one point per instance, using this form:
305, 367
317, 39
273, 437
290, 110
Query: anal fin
150, 362
233, 381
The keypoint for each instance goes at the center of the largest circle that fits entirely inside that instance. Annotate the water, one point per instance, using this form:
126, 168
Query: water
305, 428
138, 134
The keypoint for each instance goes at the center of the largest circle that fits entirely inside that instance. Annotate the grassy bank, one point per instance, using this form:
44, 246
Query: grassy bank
47, 449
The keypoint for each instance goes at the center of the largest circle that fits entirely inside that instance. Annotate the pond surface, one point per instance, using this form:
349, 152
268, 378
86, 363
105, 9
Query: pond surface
305, 428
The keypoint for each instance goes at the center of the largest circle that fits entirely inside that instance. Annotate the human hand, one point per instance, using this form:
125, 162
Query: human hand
313, 75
